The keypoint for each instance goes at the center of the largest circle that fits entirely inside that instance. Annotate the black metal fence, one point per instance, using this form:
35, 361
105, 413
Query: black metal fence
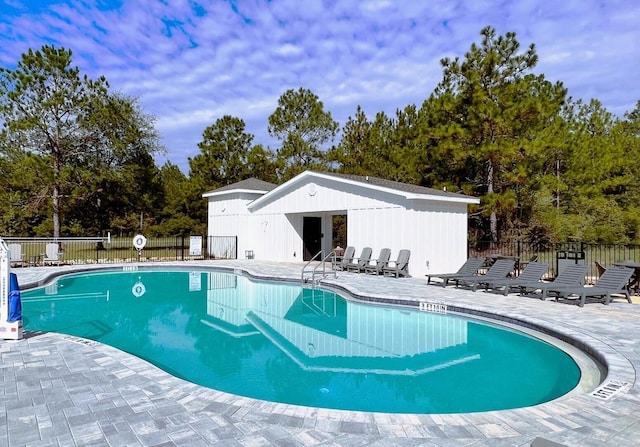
105, 250
560, 254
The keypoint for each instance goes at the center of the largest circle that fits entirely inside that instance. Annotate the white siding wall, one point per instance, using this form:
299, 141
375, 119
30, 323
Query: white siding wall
319, 195
277, 237
434, 231
285, 214
228, 216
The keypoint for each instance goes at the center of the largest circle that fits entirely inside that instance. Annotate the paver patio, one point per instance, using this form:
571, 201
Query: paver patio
59, 390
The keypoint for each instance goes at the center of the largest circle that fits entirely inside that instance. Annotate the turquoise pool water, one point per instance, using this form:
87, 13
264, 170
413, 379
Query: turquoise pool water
279, 342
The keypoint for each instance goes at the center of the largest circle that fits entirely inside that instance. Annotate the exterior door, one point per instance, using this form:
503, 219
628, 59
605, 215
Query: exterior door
311, 237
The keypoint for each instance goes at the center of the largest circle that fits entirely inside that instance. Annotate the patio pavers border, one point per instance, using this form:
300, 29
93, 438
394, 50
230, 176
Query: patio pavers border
63, 389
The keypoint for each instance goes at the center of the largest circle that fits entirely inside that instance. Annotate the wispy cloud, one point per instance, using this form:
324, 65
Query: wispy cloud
191, 62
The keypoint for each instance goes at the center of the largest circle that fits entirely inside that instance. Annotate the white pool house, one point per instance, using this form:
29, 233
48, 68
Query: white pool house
294, 221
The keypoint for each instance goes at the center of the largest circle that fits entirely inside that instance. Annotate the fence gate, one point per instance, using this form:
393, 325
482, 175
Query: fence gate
222, 247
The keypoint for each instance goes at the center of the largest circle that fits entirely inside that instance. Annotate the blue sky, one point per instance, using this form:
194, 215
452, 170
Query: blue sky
191, 62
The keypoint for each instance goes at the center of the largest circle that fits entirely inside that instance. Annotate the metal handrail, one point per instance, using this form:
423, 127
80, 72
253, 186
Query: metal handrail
313, 258
304, 268
323, 261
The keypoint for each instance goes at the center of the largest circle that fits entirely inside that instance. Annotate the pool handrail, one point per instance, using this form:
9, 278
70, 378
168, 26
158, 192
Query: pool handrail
331, 256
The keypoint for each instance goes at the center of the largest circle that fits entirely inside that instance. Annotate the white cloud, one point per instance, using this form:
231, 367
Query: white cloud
191, 65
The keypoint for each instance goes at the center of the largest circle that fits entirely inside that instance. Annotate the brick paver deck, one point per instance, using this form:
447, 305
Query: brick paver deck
58, 390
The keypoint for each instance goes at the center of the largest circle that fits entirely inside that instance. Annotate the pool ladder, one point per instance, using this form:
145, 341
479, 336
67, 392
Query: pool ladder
308, 275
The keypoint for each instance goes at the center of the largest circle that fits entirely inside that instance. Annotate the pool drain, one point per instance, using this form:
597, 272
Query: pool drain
610, 389
82, 341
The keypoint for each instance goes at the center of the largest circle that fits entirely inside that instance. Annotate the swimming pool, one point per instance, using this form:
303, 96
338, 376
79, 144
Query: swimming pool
279, 342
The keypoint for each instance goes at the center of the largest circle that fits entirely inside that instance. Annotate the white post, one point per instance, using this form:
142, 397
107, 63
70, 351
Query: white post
13, 330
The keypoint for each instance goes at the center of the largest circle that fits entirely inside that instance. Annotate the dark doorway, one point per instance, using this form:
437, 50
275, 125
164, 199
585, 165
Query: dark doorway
311, 237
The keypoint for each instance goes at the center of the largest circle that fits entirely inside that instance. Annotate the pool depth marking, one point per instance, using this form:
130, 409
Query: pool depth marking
437, 308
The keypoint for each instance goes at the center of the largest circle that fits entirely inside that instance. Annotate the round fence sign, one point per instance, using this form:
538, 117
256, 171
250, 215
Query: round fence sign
139, 242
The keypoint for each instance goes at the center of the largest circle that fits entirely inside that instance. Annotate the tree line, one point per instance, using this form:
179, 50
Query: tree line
77, 158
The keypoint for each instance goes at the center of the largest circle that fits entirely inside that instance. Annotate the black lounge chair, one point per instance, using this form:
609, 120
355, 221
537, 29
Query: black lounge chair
571, 276
498, 270
362, 262
346, 259
470, 267
400, 267
534, 271
614, 280
381, 262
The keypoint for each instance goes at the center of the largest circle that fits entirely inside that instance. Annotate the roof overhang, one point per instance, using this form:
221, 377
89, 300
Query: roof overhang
232, 191
468, 200
291, 184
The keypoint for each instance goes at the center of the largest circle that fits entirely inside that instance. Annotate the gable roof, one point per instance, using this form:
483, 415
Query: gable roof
399, 186
405, 190
252, 184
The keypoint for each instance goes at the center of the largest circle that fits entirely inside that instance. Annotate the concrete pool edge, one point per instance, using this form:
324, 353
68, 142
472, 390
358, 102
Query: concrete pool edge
601, 353
577, 342
499, 424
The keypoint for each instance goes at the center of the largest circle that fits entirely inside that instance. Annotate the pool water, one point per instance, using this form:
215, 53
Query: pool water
280, 342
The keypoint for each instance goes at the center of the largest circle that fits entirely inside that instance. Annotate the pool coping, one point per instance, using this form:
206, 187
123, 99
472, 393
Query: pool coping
574, 420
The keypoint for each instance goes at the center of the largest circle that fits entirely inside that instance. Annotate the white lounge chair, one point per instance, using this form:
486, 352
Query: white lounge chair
52, 254
16, 258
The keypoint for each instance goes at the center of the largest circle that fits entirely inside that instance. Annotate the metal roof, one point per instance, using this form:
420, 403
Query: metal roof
390, 184
406, 189
250, 184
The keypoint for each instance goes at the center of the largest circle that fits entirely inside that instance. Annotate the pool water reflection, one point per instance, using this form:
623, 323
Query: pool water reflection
280, 342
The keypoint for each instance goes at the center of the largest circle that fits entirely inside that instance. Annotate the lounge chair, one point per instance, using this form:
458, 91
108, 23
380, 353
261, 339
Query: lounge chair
534, 271
16, 258
52, 254
498, 270
615, 280
400, 267
346, 259
634, 283
523, 264
571, 276
381, 262
362, 261
470, 267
